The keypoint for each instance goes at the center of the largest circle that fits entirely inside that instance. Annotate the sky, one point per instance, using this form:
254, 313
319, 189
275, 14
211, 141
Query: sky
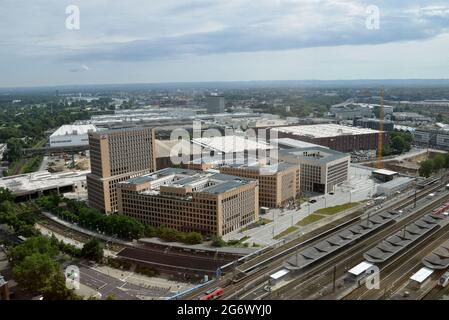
151, 41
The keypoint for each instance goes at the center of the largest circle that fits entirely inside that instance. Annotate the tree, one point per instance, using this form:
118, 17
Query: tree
193, 238
218, 242
438, 162
400, 144
35, 271
5, 195
92, 250
14, 149
426, 168
39, 244
56, 289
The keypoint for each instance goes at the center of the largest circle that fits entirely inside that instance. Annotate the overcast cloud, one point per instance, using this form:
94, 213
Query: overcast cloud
201, 40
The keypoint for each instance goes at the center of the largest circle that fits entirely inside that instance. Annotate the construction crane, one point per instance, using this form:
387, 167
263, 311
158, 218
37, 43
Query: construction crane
381, 129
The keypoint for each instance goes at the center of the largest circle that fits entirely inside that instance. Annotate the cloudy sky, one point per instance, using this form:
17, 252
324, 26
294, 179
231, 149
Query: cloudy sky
137, 41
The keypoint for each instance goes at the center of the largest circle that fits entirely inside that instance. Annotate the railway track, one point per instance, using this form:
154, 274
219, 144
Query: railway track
325, 271
398, 271
256, 271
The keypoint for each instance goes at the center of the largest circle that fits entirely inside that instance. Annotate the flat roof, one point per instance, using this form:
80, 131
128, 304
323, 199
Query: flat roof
68, 129
279, 274
422, 275
293, 143
325, 130
319, 154
360, 268
42, 180
385, 172
227, 144
200, 181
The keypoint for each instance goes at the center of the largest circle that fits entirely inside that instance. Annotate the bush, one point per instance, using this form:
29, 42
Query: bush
218, 242
193, 238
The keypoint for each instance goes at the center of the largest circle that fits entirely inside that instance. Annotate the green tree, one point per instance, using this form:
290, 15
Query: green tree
35, 271
14, 152
193, 238
439, 162
56, 289
5, 195
426, 168
93, 250
218, 242
399, 144
39, 244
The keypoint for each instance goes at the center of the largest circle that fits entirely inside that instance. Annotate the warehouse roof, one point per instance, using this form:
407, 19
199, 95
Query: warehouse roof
324, 130
74, 130
42, 180
227, 144
293, 143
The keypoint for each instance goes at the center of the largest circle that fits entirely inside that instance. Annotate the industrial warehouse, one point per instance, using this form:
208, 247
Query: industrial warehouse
337, 137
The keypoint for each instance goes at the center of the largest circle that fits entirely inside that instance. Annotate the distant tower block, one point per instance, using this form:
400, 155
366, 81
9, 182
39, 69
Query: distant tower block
215, 103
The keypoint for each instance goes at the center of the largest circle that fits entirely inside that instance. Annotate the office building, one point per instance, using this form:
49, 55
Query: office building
278, 183
189, 200
115, 156
321, 169
215, 103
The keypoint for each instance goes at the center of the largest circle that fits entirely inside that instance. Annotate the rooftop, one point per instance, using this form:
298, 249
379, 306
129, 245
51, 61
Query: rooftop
41, 180
324, 130
402, 239
262, 169
421, 275
227, 144
292, 143
196, 181
319, 154
385, 172
74, 129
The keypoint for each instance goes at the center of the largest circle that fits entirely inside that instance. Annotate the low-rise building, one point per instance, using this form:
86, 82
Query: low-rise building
321, 169
72, 135
278, 183
337, 137
189, 200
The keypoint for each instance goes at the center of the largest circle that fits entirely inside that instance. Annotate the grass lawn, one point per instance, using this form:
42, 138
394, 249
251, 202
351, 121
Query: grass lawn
309, 219
336, 209
32, 165
285, 232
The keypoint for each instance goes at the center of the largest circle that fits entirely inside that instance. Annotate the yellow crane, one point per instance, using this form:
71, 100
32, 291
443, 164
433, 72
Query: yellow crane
381, 129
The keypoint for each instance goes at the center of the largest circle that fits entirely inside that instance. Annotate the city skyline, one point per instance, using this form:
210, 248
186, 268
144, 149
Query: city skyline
196, 41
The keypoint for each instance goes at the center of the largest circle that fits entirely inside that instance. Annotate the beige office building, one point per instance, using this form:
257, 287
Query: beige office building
189, 200
115, 156
322, 169
278, 183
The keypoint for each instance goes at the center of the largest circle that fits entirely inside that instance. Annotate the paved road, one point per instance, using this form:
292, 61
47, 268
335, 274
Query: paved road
360, 187
122, 290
